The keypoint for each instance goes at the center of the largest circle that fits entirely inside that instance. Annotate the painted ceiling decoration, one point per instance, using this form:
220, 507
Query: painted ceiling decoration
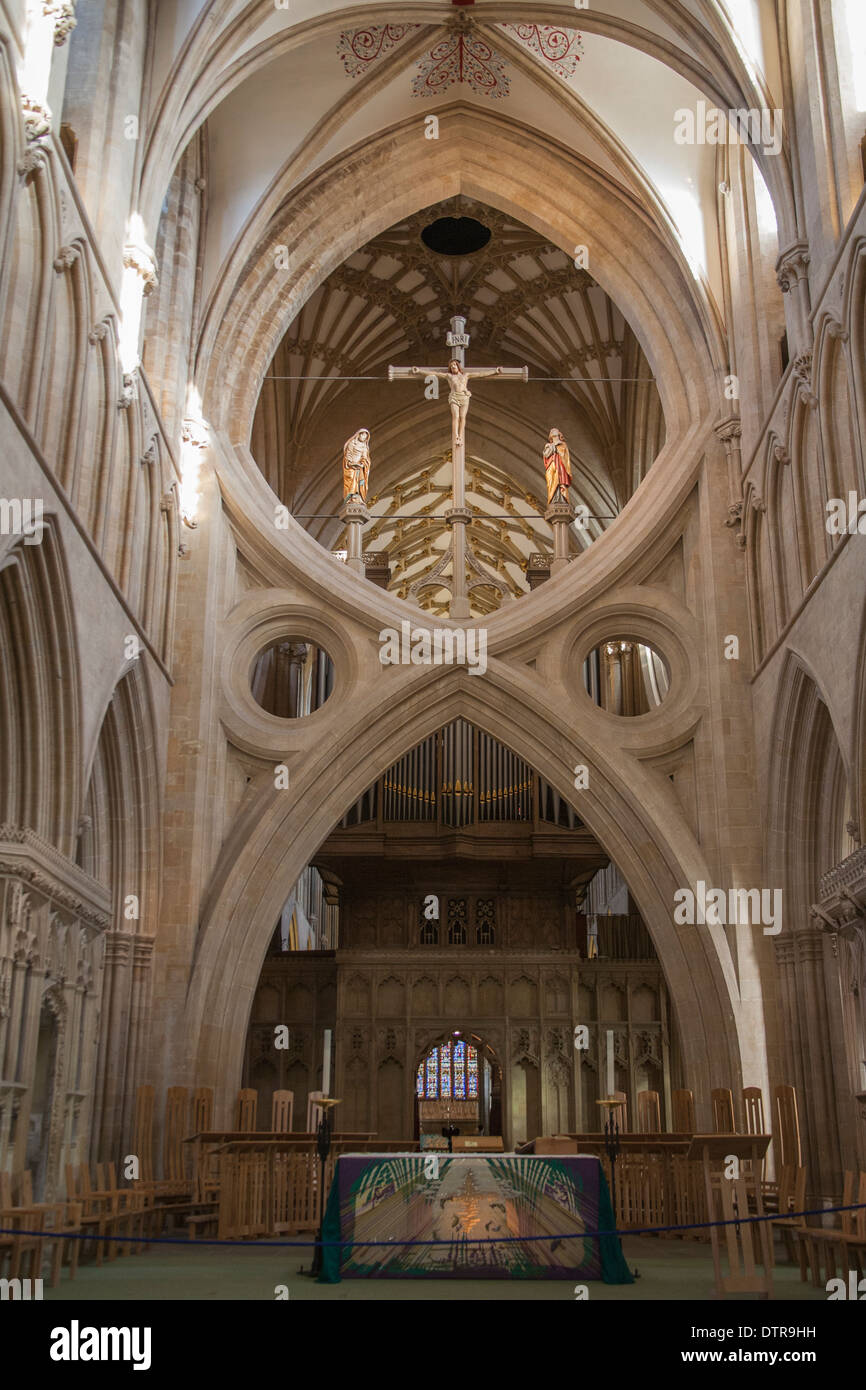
359, 48
562, 48
462, 56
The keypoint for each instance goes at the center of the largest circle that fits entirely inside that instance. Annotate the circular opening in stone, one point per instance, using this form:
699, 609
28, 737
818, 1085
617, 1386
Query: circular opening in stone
456, 236
626, 677
292, 677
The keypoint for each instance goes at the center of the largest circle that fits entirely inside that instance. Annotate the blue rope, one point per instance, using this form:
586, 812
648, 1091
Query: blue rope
467, 1240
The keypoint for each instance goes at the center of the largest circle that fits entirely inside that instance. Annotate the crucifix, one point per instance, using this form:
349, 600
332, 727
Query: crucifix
458, 376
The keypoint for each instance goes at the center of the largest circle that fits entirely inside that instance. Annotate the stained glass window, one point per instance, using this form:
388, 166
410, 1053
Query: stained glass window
445, 1071
460, 1070
449, 1071
472, 1074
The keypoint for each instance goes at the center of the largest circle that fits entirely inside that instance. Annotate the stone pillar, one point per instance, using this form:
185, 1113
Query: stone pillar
354, 513
792, 275
102, 104
113, 1043
559, 515
297, 653
729, 432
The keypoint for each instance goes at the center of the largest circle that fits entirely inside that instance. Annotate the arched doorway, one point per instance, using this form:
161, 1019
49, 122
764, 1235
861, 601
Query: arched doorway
458, 1086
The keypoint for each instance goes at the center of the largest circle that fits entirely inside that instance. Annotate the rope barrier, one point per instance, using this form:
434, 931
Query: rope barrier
469, 1240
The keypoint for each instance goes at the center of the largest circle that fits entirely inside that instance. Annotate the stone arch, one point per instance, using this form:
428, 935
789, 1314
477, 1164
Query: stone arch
40, 701
119, 845
242, 907
807, 801
219, 55
498, 162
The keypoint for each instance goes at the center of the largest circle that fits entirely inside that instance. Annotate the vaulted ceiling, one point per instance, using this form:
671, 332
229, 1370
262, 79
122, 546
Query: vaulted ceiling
525, 302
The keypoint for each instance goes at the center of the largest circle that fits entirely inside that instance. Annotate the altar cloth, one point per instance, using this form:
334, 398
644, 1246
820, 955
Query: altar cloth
459, 1199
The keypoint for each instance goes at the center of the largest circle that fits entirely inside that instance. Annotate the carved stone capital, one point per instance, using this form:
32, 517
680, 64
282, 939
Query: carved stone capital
32, 161
194, 432
138, 257
792, 266
62, 12
729, 432
37, 118
735, 519
66, 257
128, 390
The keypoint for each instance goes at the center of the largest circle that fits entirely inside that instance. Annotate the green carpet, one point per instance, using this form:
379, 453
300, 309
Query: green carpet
667, 1269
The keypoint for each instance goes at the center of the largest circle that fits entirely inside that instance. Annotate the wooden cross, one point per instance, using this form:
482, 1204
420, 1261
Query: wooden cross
458, 376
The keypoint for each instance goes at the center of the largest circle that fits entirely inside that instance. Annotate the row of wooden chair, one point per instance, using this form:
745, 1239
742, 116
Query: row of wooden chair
820, 1247
19, 1213
722, 1101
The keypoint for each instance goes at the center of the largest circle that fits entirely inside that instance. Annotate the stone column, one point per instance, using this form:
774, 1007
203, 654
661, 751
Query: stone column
354, 513
102, 104
559, 515
297, 653
113, 1042
792, 275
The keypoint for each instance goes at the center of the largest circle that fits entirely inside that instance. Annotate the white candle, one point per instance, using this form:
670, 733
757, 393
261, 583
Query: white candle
326, 1063
610, 1076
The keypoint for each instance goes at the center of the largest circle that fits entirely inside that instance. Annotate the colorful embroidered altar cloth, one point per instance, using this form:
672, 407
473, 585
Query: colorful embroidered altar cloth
458, 1200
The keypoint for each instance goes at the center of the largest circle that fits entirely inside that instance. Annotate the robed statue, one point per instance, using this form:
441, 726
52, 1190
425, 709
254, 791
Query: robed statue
557, 468
356, 466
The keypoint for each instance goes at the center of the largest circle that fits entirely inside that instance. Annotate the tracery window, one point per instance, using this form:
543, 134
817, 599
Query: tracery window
449, 1072
485, 922
457, 922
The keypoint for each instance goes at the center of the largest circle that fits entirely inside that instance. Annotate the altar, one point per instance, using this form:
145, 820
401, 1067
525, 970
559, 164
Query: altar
490, 1216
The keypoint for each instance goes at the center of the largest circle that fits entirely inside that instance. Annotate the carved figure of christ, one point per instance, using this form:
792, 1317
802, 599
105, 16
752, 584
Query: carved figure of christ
458, 377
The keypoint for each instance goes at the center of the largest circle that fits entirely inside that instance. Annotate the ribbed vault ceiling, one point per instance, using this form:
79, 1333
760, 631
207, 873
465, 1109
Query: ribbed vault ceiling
525, 301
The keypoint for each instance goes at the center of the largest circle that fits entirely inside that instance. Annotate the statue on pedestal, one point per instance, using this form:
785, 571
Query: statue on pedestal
356, 466
557, 468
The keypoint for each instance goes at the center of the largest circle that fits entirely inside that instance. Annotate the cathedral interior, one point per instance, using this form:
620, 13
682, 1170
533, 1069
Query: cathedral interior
432, 619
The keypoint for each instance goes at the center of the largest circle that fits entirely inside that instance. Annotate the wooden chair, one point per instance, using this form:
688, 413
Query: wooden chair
683, 1103
753, 1110
282, 1111
98, 1214
142, 1140
791, 1197
849, 1241
59, 1216
813, 1241
747, 1246
246, 1111
205, 1170
133, 1209
201, 1110
26, 1219
649, 1116
723, 1111
174, 1180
